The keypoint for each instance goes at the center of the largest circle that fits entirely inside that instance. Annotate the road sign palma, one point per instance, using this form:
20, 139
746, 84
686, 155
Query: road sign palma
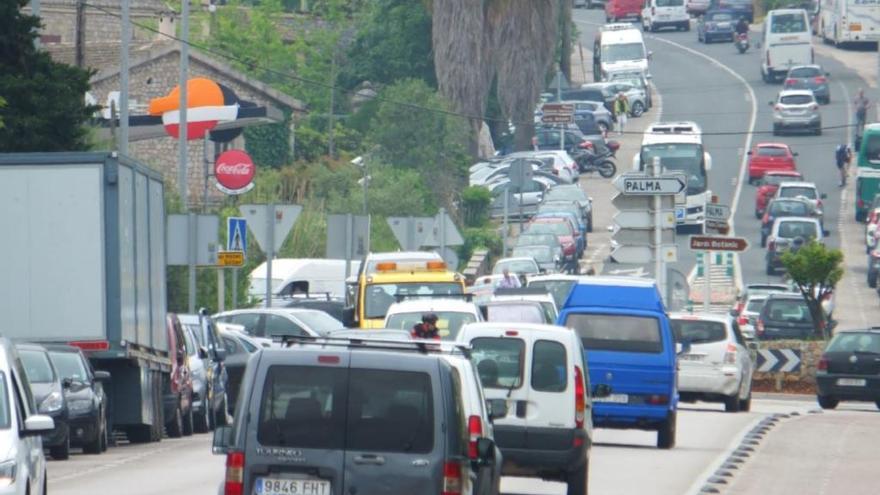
650, 186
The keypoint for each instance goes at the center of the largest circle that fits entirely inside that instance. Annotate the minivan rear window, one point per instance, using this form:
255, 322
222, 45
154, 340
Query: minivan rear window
304, 407
499, 361
698, 331
549, 366
617, 332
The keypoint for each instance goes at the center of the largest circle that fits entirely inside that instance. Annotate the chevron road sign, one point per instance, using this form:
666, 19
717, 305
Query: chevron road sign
779, 361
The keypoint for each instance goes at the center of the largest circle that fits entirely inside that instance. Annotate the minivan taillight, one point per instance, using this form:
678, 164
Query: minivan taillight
730, 355
475, 430
580, 398
234, 484
451, 478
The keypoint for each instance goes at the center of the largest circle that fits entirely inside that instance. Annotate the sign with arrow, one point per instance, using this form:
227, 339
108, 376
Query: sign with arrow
640, 255
644, 185
632, 219
779, 361
707, 243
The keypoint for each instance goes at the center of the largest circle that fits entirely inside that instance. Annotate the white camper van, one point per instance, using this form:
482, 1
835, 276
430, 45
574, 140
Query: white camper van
322, 275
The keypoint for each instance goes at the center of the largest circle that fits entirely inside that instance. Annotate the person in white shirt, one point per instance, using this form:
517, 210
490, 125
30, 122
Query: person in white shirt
509, 281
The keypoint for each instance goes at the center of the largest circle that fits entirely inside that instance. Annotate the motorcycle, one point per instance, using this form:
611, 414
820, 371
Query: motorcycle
742, 42
590, 161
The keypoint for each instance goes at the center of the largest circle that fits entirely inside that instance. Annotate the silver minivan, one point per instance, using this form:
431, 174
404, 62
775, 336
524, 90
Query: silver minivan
332, 416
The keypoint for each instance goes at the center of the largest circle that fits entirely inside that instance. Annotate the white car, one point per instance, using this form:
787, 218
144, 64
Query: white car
802, 190
749, 315
563, 164
22, 462
265, 324
796, 109
718, 367
558, 285
518, 266
452, 314
534, 295
659, 14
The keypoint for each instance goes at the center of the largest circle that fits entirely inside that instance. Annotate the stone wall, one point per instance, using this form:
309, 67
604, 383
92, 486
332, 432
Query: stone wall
59, 19
805, 379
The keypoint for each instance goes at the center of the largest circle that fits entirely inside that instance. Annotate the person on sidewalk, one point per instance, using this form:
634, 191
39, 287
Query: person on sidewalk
620, 109
861, 104
843, 156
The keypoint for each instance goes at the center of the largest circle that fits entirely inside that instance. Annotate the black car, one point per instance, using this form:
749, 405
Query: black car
784, 316
84, 394
849, 369
48, 392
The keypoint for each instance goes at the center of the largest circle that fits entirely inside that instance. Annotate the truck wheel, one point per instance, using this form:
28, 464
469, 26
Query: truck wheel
666, 433
200, 420
61, 452
188, 422
578, 481
175, 426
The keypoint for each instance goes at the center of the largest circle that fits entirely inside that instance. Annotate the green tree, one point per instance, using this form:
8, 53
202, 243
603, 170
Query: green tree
45, 109
815, 270
2, 104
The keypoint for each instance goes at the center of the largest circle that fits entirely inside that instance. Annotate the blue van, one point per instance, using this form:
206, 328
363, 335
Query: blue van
631, 352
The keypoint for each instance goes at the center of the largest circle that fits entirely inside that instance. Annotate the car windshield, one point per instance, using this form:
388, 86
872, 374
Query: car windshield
790, 209
719, 17
619, 52
555, 228
542, 254
698, 331
559, 289
319, 321
565, 194
532, 239
804, 72
855, 342
448, 322
69, 365
5, 419
37, 366
755, 304
796, 192
792, 229
788, 23
516, 266
775, 180
617, 332
499, 361
772, 151
685, 158
517, 313
787, 310
380, 296
796, 99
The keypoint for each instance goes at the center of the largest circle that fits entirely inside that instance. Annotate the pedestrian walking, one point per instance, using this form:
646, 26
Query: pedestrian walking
843, 156
620, 109
861, 104
509, 281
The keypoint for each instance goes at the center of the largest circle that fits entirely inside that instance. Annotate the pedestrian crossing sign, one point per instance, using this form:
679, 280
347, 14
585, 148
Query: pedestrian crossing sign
236, 234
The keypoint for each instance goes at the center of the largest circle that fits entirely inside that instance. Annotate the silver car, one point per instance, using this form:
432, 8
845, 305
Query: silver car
718, 367
796, 109
638, 99
638, 79
749, 315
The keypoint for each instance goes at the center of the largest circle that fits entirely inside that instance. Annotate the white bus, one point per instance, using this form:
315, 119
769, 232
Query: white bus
846, 21
788, 41
679, 145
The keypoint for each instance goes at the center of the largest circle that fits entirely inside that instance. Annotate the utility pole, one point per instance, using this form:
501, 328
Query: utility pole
123, 72
80, 35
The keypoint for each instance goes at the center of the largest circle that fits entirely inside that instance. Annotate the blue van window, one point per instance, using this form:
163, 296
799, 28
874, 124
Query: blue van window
617, 332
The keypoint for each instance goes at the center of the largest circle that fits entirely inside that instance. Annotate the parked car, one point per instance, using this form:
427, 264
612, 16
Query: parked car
749, 315
718, 367
716, 25
549, 258
760, 289
239, 348
848, 369
796, 109
696, 8
638, 79
48, 391
521, 266
570, 207
85, 398
767, 157
781, 208
526, 240
178, 391
805, 190
210, 403
566, 233
638, 99
361, 418
520, 203
785, 316
576, 194
547, 138
790, 234
452, 314
532, 295
539, 375
515, 311
769, 184
326, 302
268, 324
740, 8
22, 462
812, 78
600, 119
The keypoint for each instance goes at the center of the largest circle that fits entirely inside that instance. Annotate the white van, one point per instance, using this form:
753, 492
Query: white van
619, 48
659, 14
787, 41
536, 378
320, 275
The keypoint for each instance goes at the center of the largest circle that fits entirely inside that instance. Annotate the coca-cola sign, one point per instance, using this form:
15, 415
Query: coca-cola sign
234, 171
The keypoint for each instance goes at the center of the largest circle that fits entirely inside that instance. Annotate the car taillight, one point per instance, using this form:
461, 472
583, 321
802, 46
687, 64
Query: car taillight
580, 398
742, 320
790, 82
657, 399
730, 355
759, 326
234, 484
475, 430
820, 80
451, 478
822, 365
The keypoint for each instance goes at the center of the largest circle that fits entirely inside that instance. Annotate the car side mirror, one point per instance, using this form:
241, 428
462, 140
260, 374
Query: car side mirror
682, 347
203, 353
823, 196
219, 354
37, 425
497, 408
602, 390
222, 440
102, 376
66, 382
485, 450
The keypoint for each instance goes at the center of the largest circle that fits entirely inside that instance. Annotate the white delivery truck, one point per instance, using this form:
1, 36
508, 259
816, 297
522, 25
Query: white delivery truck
291, 275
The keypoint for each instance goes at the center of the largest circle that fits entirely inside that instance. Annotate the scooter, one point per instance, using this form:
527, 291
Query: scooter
589, 161
742, 42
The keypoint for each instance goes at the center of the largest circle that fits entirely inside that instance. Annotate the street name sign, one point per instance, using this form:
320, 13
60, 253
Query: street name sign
557, 108
643, 185
707, 243
557, 119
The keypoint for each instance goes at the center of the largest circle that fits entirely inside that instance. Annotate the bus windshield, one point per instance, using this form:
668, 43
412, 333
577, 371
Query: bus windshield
680, 157
619, 52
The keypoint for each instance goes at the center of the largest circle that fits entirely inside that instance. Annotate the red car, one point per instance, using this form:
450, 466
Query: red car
178, 390
766, 157
622, 9
768, 187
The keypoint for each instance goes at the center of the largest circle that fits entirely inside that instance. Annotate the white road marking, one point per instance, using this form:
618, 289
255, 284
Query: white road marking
719, 461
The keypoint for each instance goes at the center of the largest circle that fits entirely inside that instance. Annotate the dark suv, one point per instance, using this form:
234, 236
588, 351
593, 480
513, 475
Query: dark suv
849, 369
784, 316
336, 415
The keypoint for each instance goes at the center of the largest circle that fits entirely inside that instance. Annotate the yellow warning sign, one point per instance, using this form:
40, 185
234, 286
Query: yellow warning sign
230, 258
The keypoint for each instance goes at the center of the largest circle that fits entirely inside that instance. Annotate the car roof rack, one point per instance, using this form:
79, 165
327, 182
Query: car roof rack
422, 346
402, 297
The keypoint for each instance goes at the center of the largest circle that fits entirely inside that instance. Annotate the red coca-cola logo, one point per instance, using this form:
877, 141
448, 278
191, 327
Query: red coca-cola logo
234, 171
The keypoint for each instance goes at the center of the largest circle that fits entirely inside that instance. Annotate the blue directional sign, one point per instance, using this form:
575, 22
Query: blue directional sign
236, 234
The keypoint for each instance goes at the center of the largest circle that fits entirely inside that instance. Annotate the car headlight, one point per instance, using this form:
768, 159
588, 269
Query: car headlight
79, 406
53, 402
7, 473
